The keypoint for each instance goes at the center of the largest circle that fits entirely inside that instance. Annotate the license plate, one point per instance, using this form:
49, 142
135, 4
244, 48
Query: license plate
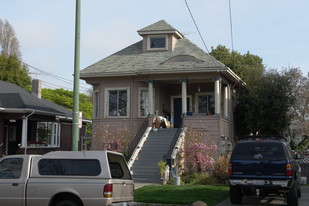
258, 182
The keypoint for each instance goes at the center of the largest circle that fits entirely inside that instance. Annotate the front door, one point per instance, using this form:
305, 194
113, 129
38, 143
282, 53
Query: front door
178, 111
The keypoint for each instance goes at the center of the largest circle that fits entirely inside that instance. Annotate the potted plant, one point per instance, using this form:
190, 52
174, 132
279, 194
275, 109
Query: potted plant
162, 169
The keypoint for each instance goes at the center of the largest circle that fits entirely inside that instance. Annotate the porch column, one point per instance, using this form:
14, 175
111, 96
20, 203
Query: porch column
150, 97
217, 96
227, 99
24, 133
184, 95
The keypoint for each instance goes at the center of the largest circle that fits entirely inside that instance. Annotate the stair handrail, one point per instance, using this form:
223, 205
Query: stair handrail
176, 143
138, 141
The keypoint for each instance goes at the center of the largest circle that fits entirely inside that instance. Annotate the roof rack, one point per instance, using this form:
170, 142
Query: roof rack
265, 137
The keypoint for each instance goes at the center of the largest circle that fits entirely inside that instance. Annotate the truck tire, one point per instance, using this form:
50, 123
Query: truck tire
299, 191
292, 196
235, 195
66, 203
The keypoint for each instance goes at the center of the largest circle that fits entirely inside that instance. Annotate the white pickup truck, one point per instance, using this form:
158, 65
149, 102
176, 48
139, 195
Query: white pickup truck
63, 178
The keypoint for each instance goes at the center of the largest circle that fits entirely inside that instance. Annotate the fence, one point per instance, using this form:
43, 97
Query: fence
304, 164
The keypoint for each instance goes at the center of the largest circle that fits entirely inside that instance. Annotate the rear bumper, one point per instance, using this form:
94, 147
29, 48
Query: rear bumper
260, 183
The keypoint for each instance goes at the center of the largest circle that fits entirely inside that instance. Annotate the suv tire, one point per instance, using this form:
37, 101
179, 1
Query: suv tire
235, 195
292, 196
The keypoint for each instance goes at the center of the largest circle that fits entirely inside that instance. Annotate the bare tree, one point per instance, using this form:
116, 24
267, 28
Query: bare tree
9, 43
300, 110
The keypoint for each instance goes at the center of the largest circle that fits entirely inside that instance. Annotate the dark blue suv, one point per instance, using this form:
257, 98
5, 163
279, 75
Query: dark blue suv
261, 167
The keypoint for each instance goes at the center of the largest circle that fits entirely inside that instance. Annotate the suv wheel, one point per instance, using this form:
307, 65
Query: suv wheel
235, 195
292, 196
66, 203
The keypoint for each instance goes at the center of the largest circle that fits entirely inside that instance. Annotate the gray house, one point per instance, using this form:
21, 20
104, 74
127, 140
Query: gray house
33, 125
164, 75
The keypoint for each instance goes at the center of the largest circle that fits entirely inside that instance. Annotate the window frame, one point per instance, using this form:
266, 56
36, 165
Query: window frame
197, 95
106, 101
150, 37
53, 139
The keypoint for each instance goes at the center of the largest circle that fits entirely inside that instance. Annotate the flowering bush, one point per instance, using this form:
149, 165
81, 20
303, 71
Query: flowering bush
198, 152
111, 138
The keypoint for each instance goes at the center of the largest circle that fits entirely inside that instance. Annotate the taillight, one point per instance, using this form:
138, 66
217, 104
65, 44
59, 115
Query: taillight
108, 190
230, 169
289, 171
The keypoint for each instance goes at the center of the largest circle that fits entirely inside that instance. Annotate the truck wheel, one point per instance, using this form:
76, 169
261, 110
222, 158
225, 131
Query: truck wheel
298, 191
66, 203
235, 195
292, 196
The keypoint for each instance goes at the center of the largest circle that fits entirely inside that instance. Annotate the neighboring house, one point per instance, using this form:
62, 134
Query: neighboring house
164, 74
28, 122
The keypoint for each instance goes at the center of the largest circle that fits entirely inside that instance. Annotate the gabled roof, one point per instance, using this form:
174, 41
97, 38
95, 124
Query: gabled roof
16, 99
186, 57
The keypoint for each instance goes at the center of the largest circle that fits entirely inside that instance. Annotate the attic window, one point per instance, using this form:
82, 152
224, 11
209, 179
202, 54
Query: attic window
157, 42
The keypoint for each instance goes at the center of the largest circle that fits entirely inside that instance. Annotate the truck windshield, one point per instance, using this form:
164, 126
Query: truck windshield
259, 151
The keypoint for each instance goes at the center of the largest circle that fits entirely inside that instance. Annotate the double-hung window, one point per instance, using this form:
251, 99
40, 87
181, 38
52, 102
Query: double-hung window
143, 102
117, 102
48, 134
205, 103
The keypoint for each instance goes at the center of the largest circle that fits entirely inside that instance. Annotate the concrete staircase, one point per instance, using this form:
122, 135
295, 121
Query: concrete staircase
145, 168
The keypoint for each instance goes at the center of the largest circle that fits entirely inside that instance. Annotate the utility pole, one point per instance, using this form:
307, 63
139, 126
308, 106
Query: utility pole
75, 128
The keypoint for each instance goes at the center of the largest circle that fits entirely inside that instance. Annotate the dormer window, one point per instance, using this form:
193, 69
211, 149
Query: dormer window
157, 42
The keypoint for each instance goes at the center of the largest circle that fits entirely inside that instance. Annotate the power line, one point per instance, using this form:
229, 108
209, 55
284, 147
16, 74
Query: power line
42, 72
196, 26
198, 30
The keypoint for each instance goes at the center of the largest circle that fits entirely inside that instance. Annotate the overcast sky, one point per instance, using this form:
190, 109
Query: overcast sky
275, 30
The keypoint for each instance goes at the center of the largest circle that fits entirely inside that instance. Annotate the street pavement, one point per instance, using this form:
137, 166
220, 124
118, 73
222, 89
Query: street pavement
278, 201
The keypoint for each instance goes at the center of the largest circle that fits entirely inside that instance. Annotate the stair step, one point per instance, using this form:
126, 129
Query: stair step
145, 169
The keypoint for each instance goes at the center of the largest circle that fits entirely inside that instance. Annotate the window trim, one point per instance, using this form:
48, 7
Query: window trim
106, 101
157, 36
96, 104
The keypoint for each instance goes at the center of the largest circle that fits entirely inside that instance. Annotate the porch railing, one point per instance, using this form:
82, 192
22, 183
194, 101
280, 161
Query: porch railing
138, 136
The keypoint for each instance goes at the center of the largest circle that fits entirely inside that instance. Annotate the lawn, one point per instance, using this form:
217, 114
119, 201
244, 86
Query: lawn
183, 194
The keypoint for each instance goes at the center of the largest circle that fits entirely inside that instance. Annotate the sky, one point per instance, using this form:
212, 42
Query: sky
275, 30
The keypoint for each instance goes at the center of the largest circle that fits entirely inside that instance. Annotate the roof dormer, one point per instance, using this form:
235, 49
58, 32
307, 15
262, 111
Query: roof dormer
159, 36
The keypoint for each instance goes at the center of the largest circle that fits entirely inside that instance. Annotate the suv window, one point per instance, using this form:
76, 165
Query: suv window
259, 150
11, 168
73, 167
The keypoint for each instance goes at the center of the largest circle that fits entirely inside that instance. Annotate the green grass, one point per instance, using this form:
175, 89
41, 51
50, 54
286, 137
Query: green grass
183, 194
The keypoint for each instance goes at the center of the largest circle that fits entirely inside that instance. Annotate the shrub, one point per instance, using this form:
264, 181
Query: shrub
204, 178
221, 168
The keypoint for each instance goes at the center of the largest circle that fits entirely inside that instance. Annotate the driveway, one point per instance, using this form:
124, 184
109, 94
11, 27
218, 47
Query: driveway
279, 201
